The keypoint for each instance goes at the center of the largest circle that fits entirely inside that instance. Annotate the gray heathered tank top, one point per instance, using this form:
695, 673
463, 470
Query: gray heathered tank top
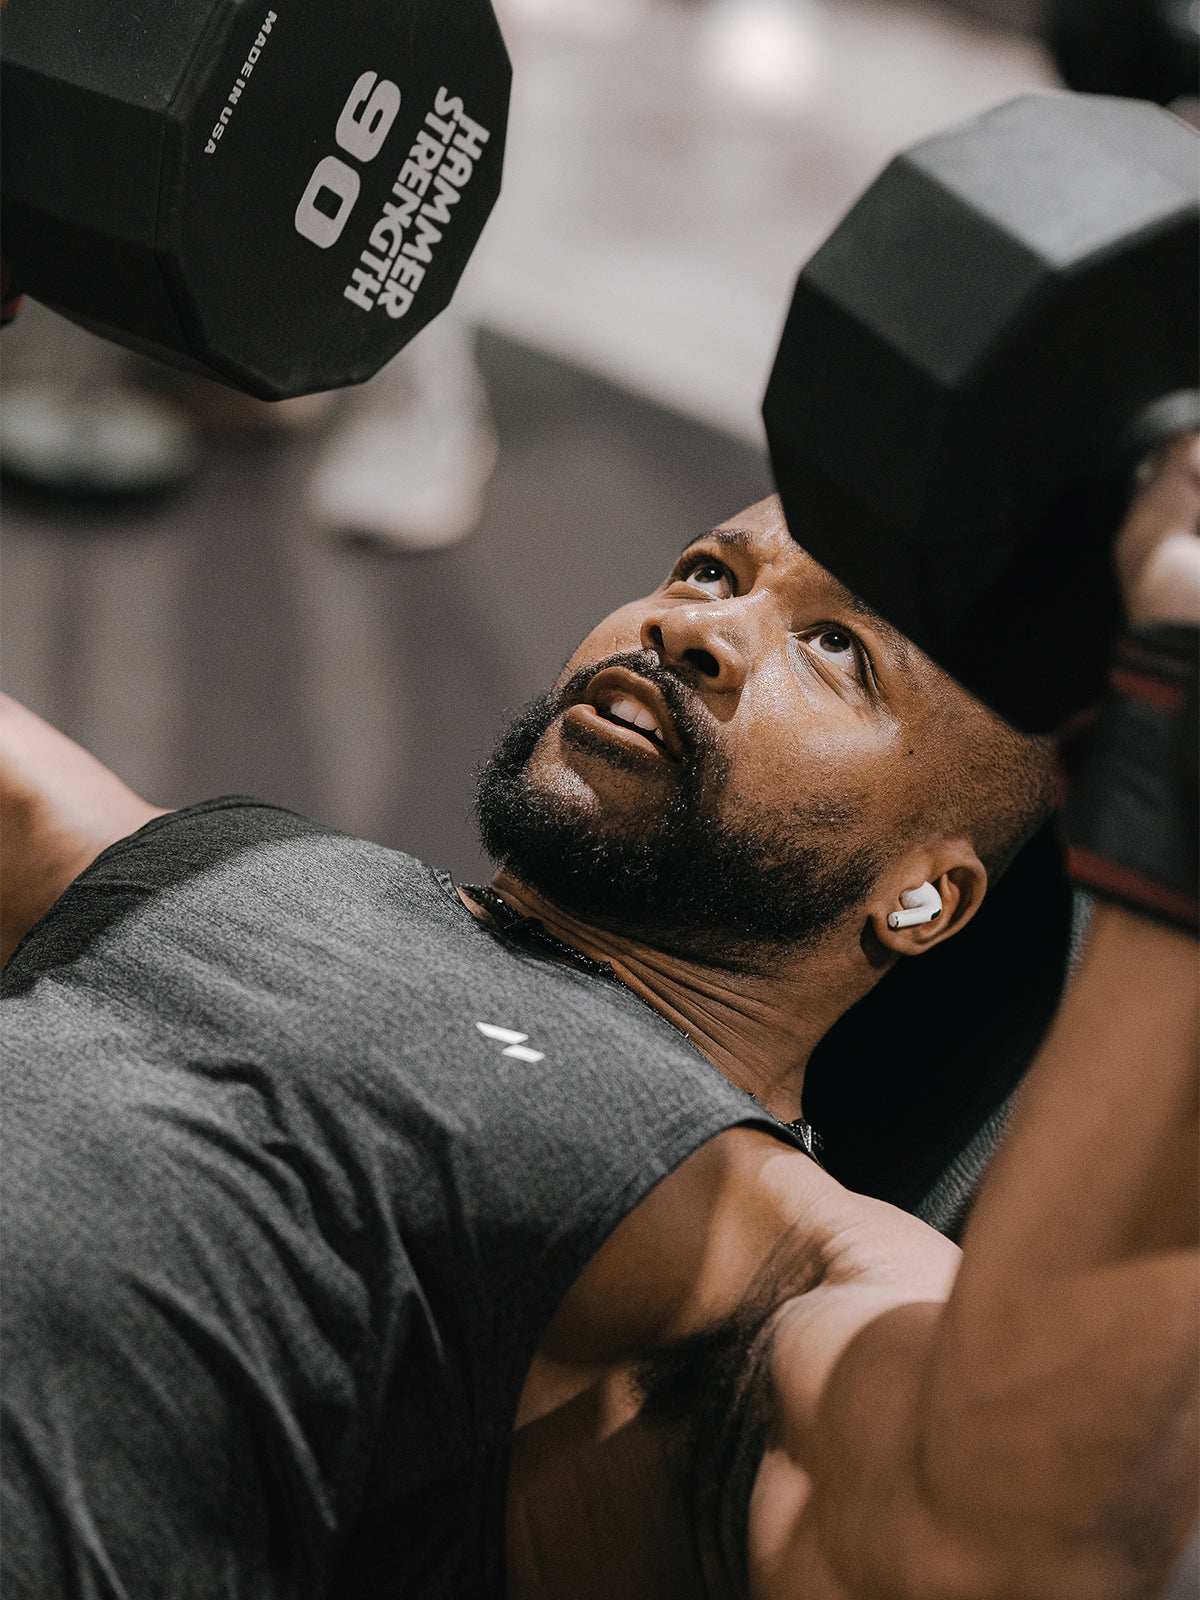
301, 1160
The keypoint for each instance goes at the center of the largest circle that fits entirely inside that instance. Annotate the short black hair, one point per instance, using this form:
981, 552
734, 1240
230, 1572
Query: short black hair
1001, 790
982, 780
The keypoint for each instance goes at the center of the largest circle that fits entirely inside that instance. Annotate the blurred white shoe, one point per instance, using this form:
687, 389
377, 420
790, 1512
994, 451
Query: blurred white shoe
771, 56
98, 440
407, 461
72, 420
593, 20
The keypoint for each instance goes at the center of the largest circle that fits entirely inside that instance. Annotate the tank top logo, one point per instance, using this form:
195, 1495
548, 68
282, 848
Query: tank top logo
514, 1042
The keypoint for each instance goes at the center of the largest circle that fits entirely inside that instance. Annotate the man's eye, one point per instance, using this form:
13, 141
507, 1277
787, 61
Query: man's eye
835, 643
839, 647
702, 572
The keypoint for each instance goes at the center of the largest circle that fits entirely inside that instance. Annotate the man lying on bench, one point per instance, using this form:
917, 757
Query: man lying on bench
368, 1235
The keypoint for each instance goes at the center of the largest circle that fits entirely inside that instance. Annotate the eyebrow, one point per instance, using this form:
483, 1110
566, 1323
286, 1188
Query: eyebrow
731, 538
742, 539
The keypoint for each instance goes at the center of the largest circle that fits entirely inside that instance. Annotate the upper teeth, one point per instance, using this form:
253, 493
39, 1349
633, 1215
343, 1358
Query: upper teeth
630, 711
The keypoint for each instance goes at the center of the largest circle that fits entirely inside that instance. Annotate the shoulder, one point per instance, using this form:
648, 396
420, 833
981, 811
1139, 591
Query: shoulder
60, 809
743, 1209
219, 863
641, 1432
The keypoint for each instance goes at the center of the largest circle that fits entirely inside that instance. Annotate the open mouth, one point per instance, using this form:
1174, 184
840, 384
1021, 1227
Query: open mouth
634, 711
626, 713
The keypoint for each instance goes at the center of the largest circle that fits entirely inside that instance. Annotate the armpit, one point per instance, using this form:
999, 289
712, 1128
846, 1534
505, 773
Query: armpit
711, 1395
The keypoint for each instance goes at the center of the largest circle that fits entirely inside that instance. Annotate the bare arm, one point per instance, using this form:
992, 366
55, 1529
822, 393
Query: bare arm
1024, 1430
1078, 1290
59, 808
1038, 1436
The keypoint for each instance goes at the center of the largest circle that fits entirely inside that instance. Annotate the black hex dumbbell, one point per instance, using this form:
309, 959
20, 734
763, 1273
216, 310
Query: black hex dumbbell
278, 193
972, 364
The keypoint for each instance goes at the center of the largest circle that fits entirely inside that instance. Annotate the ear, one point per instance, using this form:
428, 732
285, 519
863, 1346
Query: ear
959, 877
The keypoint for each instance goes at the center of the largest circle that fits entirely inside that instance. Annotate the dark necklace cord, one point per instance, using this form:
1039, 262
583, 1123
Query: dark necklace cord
515, 925
528, 930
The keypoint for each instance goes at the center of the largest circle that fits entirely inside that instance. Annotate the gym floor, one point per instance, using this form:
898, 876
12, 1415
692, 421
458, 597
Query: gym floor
628, 293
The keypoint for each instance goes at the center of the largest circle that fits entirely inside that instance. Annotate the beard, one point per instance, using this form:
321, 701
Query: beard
686, 877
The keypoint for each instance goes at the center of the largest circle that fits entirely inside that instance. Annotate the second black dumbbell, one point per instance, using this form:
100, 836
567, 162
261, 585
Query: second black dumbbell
973, 363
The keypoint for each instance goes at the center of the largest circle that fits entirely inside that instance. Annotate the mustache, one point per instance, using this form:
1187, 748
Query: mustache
690, 716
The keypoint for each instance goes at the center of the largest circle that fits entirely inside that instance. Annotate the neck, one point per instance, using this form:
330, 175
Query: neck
758, 1028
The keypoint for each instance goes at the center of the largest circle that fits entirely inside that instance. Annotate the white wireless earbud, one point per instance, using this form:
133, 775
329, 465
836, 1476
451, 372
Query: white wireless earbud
920, 905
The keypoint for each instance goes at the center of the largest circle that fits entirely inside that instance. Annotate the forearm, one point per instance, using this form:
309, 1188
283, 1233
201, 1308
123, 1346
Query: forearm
1058, 1418
1057, 1425
1036, 1438
59, 808
1101, 1162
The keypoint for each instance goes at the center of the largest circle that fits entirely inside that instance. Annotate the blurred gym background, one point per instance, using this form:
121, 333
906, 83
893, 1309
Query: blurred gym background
332, 605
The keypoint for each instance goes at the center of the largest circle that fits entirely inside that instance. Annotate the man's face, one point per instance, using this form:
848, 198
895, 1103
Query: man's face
722, 766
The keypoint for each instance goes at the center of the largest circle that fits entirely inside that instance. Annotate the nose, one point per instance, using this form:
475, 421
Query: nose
706, 636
